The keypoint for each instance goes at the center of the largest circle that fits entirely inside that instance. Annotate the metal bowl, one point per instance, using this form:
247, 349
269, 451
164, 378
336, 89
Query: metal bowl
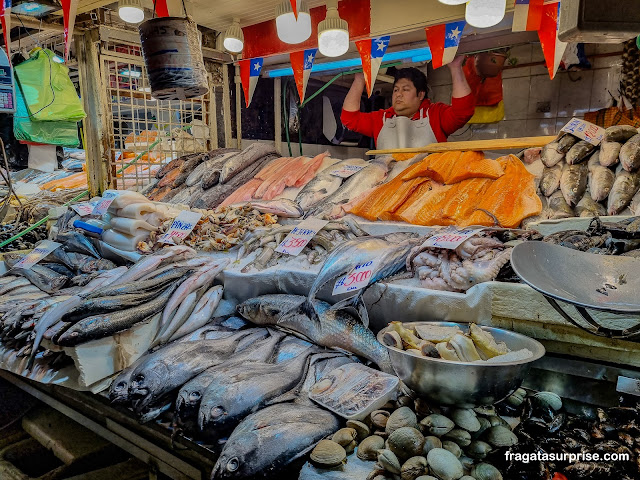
464, 384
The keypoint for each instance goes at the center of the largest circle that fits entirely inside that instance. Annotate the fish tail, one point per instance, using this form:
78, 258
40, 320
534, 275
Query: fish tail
309, 310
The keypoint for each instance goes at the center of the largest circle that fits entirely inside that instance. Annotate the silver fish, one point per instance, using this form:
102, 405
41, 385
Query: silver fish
630, 154
624, 188
202, 313
76, 242
42, 277
332, 328
587, 207
619, 133
152, 262
579, 152
282, 207
600, 182
609, 153
211, 176
320, 187
14, 284
573, 182
566, 141
242, 160
551, 155
267, 441
558, 207
550, 181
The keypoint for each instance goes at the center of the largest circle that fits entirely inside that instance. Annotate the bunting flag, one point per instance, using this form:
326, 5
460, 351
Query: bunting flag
302, 63
552, 47
371, 53
5, 19
443, 41
249, 74
527, 15
294, 5
69, 8
161, 8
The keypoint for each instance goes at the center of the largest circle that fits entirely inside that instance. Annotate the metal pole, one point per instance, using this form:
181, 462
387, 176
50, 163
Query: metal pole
236, 80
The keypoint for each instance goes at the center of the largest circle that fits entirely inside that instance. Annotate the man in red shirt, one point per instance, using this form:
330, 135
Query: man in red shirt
413, 120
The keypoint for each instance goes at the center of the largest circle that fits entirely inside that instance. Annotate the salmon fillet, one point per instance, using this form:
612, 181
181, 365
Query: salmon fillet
243, 193
310, 170
453, 167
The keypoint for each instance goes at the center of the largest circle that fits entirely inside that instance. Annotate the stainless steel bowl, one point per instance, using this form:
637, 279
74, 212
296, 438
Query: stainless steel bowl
464, 384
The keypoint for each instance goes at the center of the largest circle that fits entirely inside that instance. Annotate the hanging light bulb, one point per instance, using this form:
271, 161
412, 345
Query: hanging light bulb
485, 13
130, 11
453, 2
333, 32
234, 38
289, 29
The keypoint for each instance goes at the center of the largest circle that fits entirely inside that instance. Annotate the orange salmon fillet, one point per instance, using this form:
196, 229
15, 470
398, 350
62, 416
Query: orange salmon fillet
243, 193
453, 167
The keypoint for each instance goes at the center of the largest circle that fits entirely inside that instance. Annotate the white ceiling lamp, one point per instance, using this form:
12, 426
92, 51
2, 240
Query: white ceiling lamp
485, 13
234, 38
333, 32
289, 29
453, 2
130, 11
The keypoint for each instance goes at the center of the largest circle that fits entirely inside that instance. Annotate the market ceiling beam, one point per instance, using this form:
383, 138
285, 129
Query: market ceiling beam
32, 22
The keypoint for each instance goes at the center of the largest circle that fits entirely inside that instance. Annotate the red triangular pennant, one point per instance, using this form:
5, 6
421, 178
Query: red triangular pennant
69, 8
552, 47
5, 19
294, 5
161, 8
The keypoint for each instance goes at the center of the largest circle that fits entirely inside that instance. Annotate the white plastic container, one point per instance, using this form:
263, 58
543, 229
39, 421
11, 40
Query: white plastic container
121, 241
353, 391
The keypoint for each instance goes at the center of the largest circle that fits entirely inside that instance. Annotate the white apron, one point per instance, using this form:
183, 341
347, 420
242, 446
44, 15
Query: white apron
402, 132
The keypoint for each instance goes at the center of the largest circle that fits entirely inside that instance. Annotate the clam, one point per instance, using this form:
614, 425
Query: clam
402, 417
496, 420
430, 443
379, 418
406, 442
517, 398
389, 461
467, 463
351, 447
452, 447
478, 449
486, 410
466, 419
413, 468
369, 447
459, 436
378, 473
344, 436
437, 424
467, 477
422, 408
500, 436
484, 425
404, 401
485, 471
426, 477
392, 339
549, 400
328, 454
444, 464
361, 429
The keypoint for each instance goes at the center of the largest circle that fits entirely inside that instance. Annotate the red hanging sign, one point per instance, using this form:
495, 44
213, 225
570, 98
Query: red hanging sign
69, 9
161, 8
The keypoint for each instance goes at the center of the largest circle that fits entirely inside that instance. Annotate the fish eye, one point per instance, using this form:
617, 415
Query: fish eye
194, 395
217, 412
233, 464
120, 386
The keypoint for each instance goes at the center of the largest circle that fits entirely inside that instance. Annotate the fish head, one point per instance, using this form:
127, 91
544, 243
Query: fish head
146, 383
234, 461
70, 338
189, 398
119, 390
258, 311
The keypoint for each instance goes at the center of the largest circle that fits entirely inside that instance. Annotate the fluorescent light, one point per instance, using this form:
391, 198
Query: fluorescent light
485, 13
292, 30
453, 2
423, 54
131, 11
234, 38
333, 32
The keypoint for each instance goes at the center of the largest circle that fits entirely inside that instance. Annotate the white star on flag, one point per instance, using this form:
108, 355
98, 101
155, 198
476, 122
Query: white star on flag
310, 58
256, 67
382, 45
455, 33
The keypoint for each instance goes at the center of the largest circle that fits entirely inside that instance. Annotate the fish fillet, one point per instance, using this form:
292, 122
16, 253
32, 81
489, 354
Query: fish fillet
453, 167
311, 170
243, 193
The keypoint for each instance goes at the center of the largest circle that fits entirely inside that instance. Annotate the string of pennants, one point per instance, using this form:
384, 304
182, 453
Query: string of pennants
443, 40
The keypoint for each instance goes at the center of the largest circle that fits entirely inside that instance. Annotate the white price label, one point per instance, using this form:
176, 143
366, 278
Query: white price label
302, 234
357, 279
85, 208
43, 249
585, 130
346, 171
628, 385
103, 205
181, 227
451, 238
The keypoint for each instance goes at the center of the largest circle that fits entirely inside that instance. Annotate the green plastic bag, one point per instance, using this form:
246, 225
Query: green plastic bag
61, 133
47, 88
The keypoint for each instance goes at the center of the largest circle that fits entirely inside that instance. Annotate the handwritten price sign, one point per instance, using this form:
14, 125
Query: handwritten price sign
298, 238
181, 227
451, 238
85, 208
356, 279
43, 249
346, 171
107, 198
585, 130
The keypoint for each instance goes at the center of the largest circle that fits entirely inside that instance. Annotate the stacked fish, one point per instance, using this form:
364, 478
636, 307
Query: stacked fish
583, 180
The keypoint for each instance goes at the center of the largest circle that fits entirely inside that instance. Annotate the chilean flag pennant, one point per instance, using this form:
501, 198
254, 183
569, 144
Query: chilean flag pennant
302, 63
294, 6
527, 15
443, 41
69, 8
249, 75
371, 52
161, 8
5, 19
552, 47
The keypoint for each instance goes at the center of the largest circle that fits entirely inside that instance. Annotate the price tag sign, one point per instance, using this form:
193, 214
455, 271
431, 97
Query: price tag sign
107, 198
451, 238
85, 208
302, 234
628, 385
43, 249
181, 227
346, 171
585, 130
356, 279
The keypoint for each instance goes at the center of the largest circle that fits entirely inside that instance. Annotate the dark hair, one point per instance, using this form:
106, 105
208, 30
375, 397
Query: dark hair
418, 78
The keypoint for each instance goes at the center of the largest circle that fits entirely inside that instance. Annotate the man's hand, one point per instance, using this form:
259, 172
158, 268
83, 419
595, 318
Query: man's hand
352, 100
460, 86
456, 63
